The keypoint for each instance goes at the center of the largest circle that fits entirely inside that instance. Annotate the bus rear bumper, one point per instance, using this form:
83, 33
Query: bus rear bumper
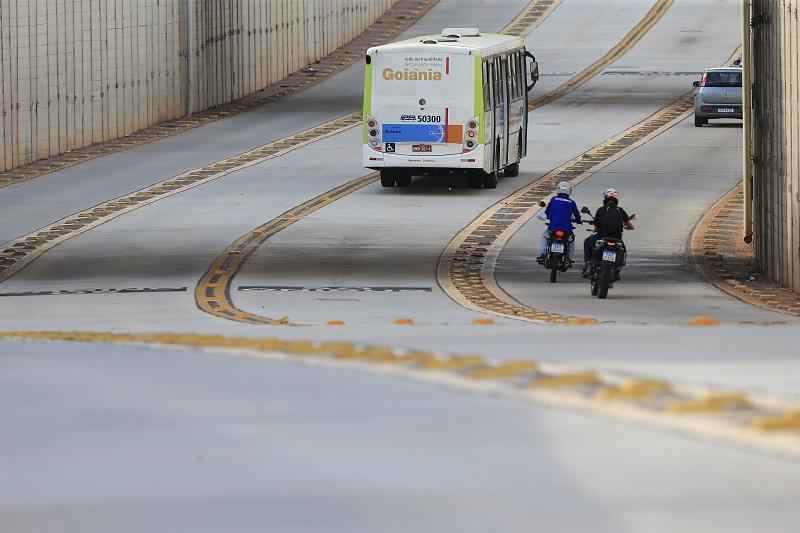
379, 160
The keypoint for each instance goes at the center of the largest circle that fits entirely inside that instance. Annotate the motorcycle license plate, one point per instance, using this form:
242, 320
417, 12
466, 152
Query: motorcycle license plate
557, 248
609, 255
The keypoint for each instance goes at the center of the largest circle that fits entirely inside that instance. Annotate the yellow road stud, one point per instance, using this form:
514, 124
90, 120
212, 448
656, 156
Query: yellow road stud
404, 322
789, 421
633, 390
483, 321
508, 369
704, 321
581, 321
577, 379
335, 323
710, 403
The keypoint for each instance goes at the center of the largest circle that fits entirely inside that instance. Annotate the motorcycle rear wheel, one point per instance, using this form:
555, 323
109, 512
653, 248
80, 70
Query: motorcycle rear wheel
555, 260
604, 281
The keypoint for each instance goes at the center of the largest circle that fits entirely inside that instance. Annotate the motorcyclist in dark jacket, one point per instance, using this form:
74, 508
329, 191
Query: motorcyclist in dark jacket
609, 221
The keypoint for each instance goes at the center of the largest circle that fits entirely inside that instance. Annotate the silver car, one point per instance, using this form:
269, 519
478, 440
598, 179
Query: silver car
720, 95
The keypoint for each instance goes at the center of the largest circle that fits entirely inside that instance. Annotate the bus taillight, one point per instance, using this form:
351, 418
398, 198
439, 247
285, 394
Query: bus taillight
470, 135
374, 134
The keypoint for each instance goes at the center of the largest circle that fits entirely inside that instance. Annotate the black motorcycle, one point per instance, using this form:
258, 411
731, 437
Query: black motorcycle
608, 258
556, 259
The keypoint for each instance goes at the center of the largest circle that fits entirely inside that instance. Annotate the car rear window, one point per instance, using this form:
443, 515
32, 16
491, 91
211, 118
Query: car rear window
724, 79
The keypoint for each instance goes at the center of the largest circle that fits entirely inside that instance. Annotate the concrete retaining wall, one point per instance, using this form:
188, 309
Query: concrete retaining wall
776, 139
78, 72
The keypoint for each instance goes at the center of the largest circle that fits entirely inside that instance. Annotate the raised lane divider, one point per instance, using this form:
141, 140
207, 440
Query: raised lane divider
760, 422
720, 255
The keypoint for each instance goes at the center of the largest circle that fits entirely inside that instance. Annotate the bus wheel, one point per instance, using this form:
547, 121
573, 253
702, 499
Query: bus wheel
404, 180
490, 179
511, 170
474, 181
387, 178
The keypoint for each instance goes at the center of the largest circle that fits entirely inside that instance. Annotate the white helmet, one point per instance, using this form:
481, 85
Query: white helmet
564, 188
610, 193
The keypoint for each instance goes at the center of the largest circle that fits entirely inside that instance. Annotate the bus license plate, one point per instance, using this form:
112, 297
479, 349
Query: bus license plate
421, 148
725, 110
557, 248
609, 256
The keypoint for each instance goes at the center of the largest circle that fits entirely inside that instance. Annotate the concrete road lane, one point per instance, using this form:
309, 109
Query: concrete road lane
129, 439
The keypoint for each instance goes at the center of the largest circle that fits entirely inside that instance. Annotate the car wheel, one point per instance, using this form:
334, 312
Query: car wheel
700, 122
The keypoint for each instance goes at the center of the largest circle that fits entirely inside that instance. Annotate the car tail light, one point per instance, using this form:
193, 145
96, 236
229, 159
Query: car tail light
705, 108
611, 244
470, 135
559, 234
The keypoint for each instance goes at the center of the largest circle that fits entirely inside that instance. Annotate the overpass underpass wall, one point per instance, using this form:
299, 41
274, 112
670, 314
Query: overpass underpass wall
79, 72
775, 154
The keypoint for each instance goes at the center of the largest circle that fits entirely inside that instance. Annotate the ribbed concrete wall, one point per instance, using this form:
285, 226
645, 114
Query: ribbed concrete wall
776, 139
78, 72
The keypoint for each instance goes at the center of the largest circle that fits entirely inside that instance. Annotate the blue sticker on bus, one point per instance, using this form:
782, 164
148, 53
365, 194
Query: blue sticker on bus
404, 133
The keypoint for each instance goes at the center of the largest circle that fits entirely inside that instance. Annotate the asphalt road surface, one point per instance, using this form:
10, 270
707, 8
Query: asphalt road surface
100, 436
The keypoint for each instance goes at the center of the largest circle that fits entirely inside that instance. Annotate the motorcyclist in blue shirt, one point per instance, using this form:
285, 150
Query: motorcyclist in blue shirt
561, 211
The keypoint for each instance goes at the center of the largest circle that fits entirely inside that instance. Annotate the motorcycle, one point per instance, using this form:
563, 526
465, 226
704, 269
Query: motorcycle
556, 258
608, 258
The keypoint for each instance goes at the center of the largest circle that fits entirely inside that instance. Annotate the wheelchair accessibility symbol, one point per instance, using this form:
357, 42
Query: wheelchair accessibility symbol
390, 148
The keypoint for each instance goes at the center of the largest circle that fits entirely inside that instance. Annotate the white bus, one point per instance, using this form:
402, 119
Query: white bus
450, 102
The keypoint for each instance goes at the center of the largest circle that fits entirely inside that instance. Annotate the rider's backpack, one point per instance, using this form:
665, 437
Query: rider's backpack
612, 223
